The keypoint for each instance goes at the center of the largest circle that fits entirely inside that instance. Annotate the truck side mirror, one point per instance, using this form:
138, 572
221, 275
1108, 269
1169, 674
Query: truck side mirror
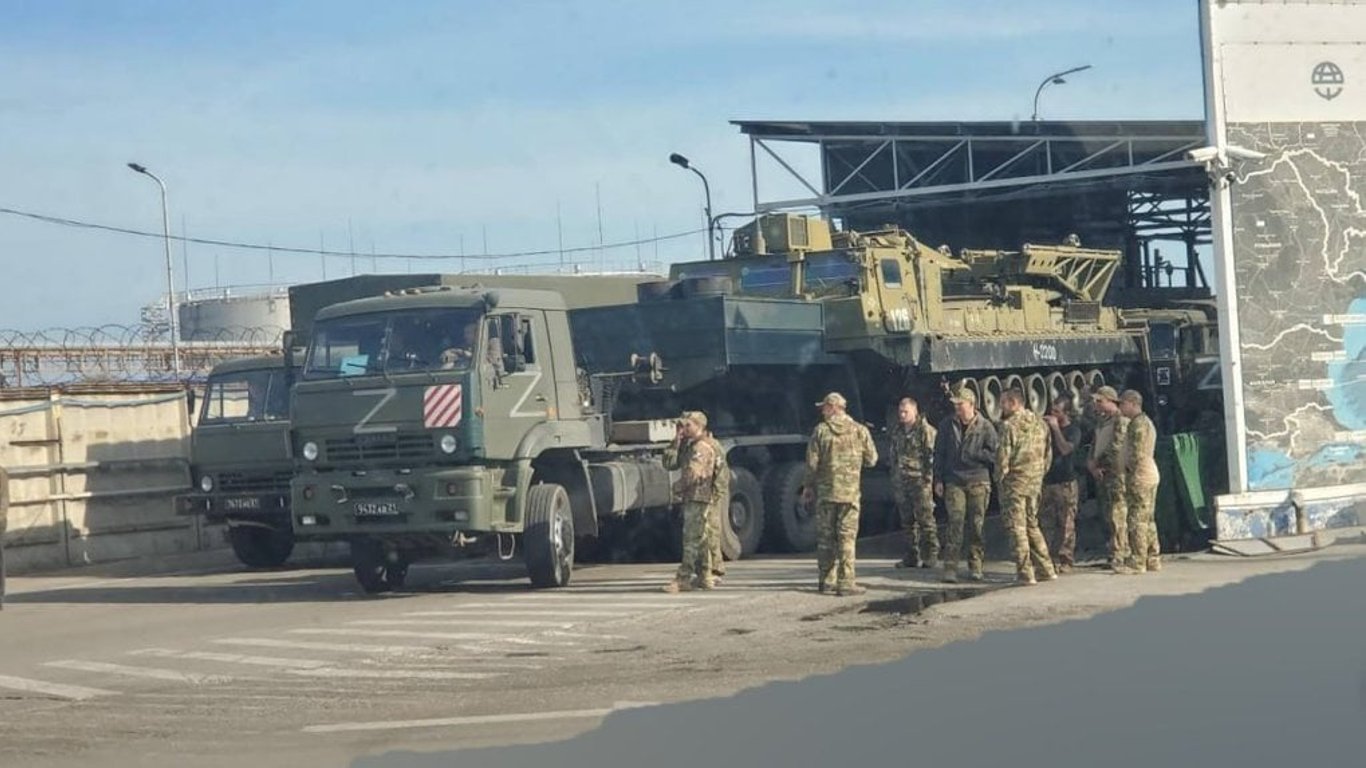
191, 400
287, 345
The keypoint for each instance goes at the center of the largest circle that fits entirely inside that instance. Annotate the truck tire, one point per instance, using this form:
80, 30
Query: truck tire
743, 520
367, 563
258, 547
790, 524
548, 542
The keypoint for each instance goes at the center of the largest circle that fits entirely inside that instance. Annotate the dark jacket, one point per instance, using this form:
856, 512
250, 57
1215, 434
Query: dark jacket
964, 455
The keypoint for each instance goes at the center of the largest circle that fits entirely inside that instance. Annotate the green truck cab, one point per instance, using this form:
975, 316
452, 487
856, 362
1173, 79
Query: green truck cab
240, 462
420, 419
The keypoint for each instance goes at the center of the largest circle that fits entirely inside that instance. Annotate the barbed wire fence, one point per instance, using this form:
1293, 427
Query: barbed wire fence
116, 354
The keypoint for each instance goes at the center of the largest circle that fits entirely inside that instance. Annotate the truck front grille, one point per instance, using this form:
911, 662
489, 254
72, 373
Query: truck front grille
254, 482
379, 447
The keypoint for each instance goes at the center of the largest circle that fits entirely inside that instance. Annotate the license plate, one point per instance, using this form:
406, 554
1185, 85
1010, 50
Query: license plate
376, 508
233, 505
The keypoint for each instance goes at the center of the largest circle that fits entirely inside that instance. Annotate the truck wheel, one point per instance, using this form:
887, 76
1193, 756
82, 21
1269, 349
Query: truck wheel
367, 562
258, 547
548, 542
743, 520
790, 524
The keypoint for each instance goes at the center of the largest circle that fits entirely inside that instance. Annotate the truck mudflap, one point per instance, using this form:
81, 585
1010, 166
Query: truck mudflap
270, 508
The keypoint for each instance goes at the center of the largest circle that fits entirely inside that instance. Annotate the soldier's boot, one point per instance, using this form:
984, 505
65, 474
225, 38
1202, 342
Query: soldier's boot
1154, 564
909, 561
707, 584
930, 561
821, 587
676, 586
977, 576
949, 575
716, 577
1136, 566
850, 590
1064, 567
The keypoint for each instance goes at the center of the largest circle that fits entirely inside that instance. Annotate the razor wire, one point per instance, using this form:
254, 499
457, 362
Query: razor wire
113, 353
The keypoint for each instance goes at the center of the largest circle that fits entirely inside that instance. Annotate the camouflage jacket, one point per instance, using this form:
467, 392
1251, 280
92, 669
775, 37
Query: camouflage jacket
913, 451
697, 461
721, 485
839, 450
1139, 446
1024, 452
1106, 448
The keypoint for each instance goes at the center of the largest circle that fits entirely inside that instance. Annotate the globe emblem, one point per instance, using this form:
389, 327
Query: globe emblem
1327, 80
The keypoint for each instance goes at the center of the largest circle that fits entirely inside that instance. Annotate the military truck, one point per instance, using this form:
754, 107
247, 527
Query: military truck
240, 463
461, 419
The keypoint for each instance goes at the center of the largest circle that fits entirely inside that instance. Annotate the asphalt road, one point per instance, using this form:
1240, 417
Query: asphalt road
197, 661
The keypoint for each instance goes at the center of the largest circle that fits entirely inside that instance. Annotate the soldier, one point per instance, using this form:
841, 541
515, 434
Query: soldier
1140, 483
964, 452
1058, 504
694, 456
1105, 466
1022, 459
720, 505
839, 450
912, 477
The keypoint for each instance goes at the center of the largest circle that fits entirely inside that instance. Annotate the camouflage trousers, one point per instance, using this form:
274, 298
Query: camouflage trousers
1115, 510
697, 533
1143, 548
836, 532
718, 519
1020, 507
915, 502
1058, 519
967, 509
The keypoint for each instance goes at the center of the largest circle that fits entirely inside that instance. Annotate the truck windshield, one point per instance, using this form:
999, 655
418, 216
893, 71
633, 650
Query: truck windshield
246, 396
394, 342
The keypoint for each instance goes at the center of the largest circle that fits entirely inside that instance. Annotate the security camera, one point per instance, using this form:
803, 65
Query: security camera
1243, 153
1203, 154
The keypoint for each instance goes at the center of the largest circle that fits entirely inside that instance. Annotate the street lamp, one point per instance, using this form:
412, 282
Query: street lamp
682, 162
170, 281
1053, 79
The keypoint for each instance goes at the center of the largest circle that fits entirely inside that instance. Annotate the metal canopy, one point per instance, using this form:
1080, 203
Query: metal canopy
1125, 184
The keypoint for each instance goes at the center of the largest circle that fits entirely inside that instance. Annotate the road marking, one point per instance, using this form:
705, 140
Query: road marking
458, 623
530, 611
231, 658
482, 636
395, 674
148, 672
620, 598
55, 690
304, 645
447, 722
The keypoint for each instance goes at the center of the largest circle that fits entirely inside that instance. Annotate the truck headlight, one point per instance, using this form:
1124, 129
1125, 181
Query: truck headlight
206, 484
447, 443
311, 451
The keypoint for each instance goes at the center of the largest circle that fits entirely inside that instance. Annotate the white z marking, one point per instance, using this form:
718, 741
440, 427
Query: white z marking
385, 395
517, 411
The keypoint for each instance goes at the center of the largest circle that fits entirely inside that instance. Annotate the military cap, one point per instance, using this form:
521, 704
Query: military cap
1132, 396
1106, 393
697, 417
963, 395
834, 398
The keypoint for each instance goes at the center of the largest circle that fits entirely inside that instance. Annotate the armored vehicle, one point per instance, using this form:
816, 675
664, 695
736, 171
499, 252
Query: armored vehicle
240, 463
464, 419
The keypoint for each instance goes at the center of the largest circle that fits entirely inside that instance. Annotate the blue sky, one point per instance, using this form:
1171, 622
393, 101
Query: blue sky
435, 121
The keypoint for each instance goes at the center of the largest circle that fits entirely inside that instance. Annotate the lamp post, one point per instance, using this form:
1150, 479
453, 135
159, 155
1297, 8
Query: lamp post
1053, 79
170, 280
682, 162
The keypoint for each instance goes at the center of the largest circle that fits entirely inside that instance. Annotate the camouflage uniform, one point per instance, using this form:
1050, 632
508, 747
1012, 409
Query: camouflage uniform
839, 450
695, 489
1058, 502
1140, 486
963, 456
1022, 458
720, 504
1106, 450
912, 485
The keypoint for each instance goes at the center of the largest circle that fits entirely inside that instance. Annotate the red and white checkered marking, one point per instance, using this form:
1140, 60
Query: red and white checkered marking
442, 406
